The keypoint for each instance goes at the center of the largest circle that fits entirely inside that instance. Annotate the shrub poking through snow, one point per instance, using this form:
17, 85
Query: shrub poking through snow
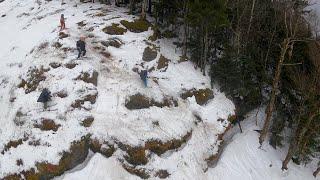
90, 97
13, 144
87, 121
163, 63
47, 125
137, 26
55, 65
136, 171
202, 95
33, 79
89, 77
63, 35
102, 147
163, 174
81, 24
149, 54
70, 65
139, 101
114, 29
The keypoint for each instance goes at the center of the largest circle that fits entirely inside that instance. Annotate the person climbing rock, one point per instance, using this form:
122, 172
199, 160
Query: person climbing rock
144, 76
81, 47
62, 22
45, 97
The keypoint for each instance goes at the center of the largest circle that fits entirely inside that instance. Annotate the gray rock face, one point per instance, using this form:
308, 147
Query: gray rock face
149, 54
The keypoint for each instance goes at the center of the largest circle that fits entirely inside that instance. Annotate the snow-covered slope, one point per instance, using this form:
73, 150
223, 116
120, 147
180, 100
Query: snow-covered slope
174, 137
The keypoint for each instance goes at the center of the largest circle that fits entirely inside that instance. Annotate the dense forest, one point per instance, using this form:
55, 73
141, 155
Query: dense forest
260, 52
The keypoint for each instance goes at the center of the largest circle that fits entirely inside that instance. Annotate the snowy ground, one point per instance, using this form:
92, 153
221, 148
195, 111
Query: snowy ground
28, 33
241, 159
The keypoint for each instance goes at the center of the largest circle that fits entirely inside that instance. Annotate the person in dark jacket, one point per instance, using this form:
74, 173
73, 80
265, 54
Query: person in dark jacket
144, 76
44, 97
81, 47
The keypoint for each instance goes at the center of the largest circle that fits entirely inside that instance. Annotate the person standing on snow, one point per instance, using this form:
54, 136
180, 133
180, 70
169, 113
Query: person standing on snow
81, 47
62, 22
144, 76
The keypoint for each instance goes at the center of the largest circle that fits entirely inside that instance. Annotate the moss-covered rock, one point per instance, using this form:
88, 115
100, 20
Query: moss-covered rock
115, 42
202, 95
102, 147
159, 147
149, 54
136, 26
114, 29
139, 101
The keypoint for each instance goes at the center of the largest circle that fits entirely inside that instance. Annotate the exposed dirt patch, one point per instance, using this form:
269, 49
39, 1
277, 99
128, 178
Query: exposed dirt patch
70, 65
87, 121
55, 65
81, 24
89, 77
163, 174
137, 26
149, 54
163, 63
105, 54
47, 125
202, 95
43, 46
63, 35
114, 29
34, 77
61, 94
57, 45
139, 101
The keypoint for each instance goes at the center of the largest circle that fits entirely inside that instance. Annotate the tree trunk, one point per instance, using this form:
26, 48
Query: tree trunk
206, 49
316, 172
150, 7
289, 155
132, 3
143, 9
185, 26
251, 15
264, 131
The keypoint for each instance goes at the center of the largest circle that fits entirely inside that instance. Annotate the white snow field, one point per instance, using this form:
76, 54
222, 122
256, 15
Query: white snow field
87, 132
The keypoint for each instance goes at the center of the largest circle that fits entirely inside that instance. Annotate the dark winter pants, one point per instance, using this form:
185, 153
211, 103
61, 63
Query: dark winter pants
81, 51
